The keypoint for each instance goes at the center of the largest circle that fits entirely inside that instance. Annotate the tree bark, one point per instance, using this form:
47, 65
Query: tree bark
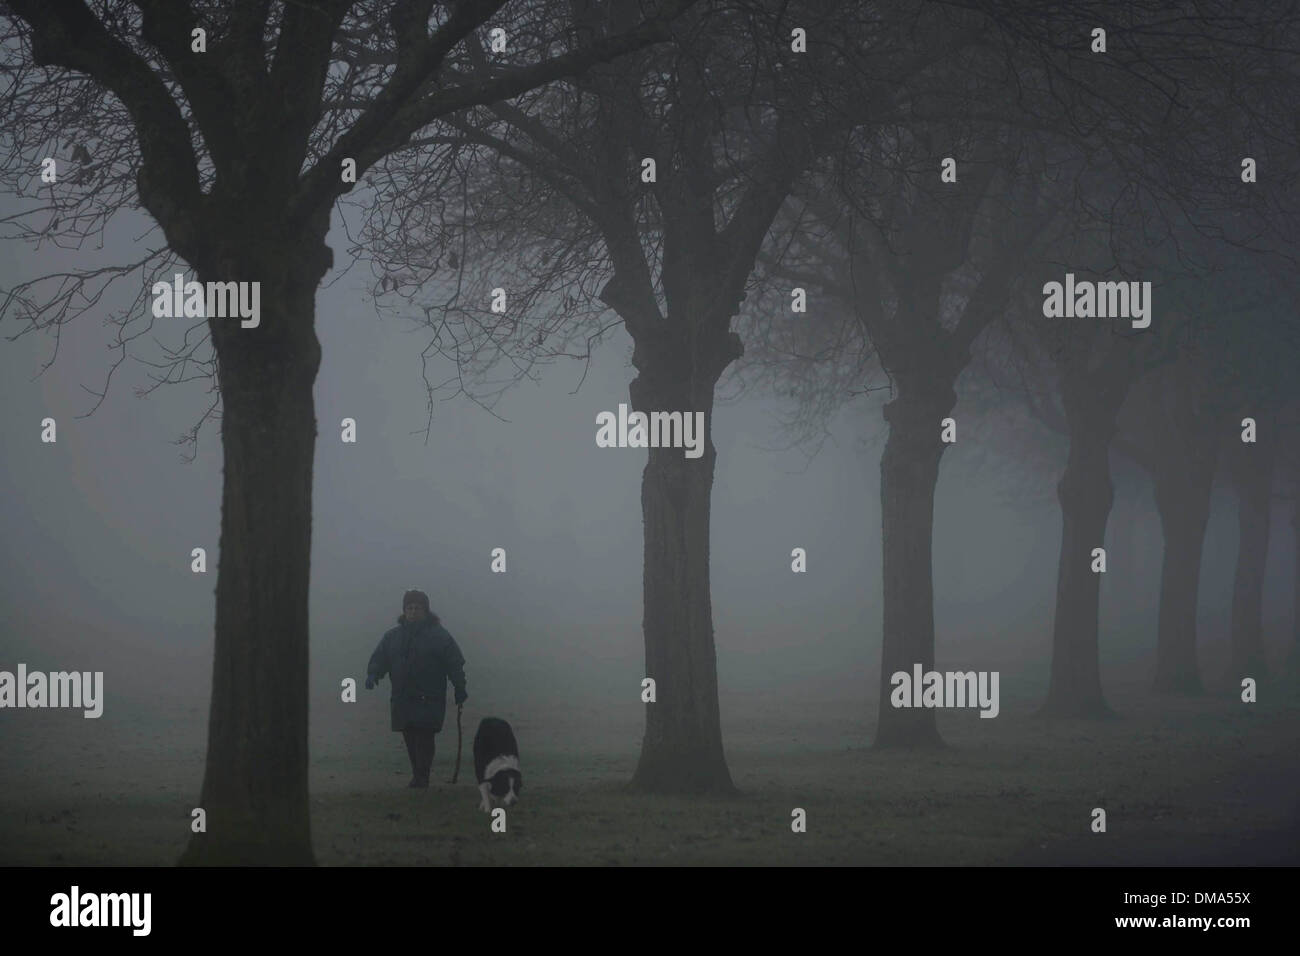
1293, 658
255, 782
1086, 495
1183, 501
1123, 553
909, 473
682, 751
1254, 484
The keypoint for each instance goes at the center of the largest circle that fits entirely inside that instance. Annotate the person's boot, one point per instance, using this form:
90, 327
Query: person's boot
419, 783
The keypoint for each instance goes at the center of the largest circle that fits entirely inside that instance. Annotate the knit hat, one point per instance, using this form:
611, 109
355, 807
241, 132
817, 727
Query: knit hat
418, 597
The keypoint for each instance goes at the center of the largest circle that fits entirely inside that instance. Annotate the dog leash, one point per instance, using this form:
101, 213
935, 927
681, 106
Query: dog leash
459, 738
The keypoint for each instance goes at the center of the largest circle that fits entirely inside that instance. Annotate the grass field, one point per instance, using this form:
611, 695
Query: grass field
1182, 782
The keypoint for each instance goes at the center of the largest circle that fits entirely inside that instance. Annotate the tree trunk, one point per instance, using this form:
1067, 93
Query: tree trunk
1293, 658
255, 783
1184, 505
1086, 495
682, 749
1254, 482
909, 473
1123, 553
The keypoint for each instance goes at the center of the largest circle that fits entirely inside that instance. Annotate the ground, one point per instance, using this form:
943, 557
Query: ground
1183, 782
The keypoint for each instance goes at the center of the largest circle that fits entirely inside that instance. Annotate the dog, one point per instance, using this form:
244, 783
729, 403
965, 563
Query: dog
496, 764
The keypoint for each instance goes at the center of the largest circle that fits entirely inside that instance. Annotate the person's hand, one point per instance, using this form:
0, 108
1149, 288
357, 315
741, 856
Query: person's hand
370, 682
461, 697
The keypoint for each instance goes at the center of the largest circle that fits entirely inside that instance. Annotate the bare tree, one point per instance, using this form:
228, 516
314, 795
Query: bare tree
1261, 383
1174, 426
1139, 144
565, 212
924, 265
239, 151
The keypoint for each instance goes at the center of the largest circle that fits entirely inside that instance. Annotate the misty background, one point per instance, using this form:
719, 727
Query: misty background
99, 528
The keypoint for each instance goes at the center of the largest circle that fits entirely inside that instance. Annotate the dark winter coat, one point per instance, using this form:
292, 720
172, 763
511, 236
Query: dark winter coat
421, 658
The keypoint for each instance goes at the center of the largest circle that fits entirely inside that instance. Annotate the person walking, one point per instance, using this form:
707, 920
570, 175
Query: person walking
421, 658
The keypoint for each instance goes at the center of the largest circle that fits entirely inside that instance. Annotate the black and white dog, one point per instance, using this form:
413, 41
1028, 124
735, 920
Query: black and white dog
496, 763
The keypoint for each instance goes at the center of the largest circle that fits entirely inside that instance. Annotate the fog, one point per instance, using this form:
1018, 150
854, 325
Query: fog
99, 527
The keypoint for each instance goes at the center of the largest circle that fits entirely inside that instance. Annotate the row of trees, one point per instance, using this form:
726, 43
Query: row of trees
675, 165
